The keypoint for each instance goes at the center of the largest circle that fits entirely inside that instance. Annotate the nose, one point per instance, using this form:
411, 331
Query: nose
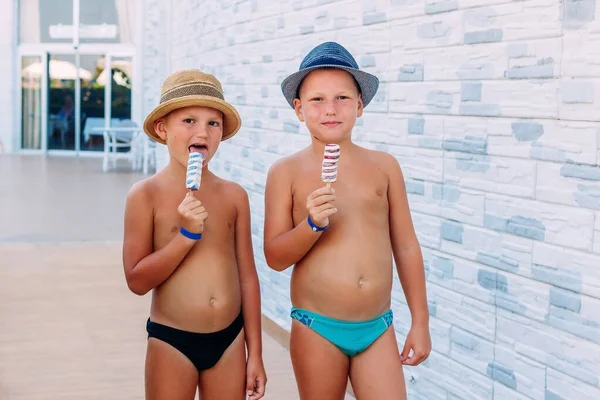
201, 132
330, 108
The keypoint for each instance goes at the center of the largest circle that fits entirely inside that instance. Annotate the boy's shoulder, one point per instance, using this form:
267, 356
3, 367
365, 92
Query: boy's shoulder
143, 190
230, 189
379, 157
289, 162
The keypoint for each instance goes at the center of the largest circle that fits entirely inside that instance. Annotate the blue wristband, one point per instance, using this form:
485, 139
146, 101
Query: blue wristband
190, 235
314, 227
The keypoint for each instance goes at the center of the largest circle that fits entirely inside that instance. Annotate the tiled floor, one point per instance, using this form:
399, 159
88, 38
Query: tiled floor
69, 327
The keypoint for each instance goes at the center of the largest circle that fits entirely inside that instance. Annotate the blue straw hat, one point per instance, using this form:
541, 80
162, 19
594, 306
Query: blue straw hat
330, 55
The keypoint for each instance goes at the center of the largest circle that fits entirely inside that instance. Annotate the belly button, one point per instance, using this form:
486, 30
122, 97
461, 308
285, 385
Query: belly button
212, 301
361, 282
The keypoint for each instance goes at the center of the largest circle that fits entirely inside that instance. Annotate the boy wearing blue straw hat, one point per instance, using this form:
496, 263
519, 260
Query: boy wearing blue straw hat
342, 239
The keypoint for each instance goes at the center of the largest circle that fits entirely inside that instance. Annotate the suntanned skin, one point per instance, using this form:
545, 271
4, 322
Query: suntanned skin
346, 271
197, 286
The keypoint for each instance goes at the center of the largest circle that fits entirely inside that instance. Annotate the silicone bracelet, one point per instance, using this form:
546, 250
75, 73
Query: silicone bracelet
314, 227
190, 235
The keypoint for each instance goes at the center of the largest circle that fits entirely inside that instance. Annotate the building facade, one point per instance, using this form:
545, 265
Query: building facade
72, 67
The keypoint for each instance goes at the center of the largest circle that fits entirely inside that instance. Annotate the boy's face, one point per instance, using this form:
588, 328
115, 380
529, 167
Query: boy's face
329, 104
191, 129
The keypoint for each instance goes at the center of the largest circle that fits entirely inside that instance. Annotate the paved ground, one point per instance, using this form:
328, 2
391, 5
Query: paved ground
69, 328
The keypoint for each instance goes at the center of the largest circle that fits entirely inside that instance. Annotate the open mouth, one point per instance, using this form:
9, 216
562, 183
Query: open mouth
198, 148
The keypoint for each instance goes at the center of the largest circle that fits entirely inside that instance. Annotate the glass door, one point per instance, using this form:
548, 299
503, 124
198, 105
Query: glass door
31, 102
92, 98
61, 127
121, 69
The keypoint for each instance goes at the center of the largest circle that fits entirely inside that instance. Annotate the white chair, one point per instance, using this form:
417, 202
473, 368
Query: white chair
124, 135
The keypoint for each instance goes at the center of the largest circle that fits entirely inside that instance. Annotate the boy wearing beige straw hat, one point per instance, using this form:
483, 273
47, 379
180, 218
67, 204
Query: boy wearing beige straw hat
339, 214
193, 250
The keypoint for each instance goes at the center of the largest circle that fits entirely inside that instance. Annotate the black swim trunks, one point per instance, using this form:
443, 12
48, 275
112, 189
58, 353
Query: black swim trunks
204, 350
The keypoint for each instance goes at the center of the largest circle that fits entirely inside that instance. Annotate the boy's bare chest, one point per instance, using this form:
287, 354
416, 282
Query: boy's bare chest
167, 221
355, 189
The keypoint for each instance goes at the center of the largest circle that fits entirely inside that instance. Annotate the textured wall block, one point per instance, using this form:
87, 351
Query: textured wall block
556, 224
512, 22
465, 134
435, 30
579, 99
543, 139
404, 130
417, 163
497, 99
575, 313
597, 233
451, 230
424, 197
504, 97
428, 231
578, 14
371, 39
471, 350
550, 346
505, 252
405, 9
573, 270
525, 375
561, 386
424, 389
503, 392
473, 280
553, 186
425, 97
457, 379
462, 205
489, 173
577, 61
440, 6
464, 312
514, 60
523, 296
440, 335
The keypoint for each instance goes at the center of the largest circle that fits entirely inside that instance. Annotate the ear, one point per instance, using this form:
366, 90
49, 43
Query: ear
160, 127
298, 109
360, 107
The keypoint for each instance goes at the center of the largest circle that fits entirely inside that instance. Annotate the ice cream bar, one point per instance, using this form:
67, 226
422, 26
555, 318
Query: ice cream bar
331, 158
194, 171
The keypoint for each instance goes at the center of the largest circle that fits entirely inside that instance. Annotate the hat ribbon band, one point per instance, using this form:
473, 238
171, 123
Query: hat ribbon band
196, 89
324, 60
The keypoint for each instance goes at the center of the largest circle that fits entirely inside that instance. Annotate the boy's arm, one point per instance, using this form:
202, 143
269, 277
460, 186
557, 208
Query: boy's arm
284, 244
145, 269
249, 284
405, 245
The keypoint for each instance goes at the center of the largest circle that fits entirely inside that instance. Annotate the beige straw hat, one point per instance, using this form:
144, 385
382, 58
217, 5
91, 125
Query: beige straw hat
192, 87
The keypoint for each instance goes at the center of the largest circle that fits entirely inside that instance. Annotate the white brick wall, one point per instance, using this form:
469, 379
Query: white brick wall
7, 84
492, 108
155, 61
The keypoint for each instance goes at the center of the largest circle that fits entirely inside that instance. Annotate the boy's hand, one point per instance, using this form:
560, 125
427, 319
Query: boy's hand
419, 341
193, 214
320, 206
256, 378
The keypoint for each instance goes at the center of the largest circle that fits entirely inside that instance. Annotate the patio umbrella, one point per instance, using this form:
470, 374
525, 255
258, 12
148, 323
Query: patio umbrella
59, 69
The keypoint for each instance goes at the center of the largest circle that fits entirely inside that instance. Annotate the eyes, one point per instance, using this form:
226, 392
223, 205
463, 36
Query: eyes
213, 123
318, 99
